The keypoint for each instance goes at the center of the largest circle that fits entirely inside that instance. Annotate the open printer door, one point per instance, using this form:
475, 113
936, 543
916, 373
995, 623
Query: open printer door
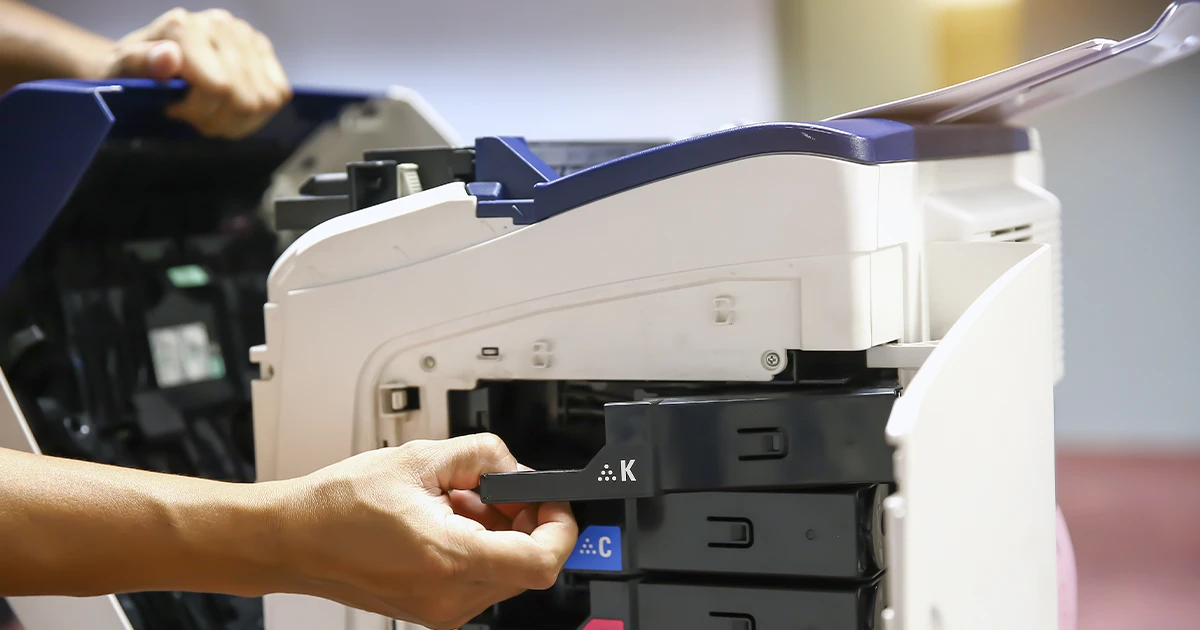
90, 167
974, 438
974, 430
51, 132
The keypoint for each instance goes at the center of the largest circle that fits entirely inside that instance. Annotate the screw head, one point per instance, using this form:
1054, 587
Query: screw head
771, 360
428, 363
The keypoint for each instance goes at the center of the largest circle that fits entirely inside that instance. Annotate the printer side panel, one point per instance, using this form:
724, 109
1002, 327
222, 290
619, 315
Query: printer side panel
750, 221
713, 275
996, 199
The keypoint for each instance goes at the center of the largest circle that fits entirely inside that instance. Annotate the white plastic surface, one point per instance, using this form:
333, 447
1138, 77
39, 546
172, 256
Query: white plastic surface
933, 106
677, 280
402, 119
52, 613
971, 529
435, 274
998, 199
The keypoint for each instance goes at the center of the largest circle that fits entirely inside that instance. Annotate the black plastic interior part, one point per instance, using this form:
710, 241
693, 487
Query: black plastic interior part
157, 235
769, 439
831, 534
305, 213
326, 184
528, 415
324, 196
372, 183
664, 604
435, 166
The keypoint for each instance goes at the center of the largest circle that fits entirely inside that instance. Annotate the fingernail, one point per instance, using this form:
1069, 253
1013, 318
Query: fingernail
163, 59
160, 52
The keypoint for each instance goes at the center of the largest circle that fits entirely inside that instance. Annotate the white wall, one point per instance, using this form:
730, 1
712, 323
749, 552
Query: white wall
546, 69
1125, 165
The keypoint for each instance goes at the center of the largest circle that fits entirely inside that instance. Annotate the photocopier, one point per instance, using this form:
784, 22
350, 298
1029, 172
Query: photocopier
789, 375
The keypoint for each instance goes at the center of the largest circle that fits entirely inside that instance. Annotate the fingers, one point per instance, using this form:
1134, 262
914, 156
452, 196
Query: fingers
457, 463
526, 520
489, 547
254, 97
511, 510
272, 68
468, 504
158, 60
236, 81
203, 69
526, 561
556, 530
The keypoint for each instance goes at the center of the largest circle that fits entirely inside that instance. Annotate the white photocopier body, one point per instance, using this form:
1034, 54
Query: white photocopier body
915, 239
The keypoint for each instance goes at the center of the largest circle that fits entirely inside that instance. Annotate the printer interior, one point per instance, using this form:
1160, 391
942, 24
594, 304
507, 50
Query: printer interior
560, 425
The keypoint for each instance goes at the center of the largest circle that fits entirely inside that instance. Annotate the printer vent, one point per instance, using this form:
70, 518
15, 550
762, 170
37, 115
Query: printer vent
1011, 234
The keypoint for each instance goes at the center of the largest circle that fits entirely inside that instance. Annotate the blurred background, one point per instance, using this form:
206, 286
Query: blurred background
1121, 161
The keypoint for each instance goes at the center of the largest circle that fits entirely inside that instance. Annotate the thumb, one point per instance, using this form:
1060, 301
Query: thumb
458, 462
158, 60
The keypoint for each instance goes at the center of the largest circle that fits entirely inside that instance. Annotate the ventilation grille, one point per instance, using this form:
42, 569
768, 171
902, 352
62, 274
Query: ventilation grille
1015, 234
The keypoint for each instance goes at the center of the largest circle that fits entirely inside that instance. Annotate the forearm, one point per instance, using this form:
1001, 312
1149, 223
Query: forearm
77, 528
37, 45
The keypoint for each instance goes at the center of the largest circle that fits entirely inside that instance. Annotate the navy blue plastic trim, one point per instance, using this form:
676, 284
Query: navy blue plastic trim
510, 162
38, 174
50, 131
865, 141
485, 190
139, 105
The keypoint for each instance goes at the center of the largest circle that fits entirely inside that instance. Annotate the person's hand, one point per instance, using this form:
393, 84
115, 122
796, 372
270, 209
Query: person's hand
236, 82
399, 532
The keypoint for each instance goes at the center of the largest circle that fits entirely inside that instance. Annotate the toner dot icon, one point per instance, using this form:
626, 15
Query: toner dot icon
607, 474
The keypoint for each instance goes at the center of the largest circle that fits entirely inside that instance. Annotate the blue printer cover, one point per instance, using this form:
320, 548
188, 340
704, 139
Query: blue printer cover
51, 131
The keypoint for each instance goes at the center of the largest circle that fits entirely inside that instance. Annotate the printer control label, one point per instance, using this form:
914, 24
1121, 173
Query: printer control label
598, 549
624, 471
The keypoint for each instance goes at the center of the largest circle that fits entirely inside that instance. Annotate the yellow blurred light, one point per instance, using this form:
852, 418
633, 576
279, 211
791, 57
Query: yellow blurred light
976, 37
971, 3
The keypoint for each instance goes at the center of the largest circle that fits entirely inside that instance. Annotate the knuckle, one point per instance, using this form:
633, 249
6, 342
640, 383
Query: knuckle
219, 87
174, 21
270, 104
546, 572
219, 15
263, 42
414, 448
492, 444
176, 17
247, 106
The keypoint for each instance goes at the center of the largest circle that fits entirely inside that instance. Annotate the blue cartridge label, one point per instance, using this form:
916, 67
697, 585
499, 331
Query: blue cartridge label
598, 549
